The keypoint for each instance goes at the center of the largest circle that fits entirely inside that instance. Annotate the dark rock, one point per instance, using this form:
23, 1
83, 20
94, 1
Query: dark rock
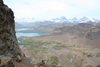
3, 66
1, 3
98, 66
10, 64
9, 48
8, 41
93, 35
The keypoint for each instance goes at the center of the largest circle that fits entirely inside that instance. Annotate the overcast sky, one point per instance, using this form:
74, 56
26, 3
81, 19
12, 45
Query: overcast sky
47, 9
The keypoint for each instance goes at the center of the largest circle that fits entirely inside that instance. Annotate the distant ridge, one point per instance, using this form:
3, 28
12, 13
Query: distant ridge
57, 20
80, 34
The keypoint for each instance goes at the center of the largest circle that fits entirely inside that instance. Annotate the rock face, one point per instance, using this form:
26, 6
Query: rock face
9, 48
1, 3
10, 53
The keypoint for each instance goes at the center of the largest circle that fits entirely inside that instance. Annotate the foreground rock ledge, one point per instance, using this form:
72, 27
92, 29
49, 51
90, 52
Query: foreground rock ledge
10, 53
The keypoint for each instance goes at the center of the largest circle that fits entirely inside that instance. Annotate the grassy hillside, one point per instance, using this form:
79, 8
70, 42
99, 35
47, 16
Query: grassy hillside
60, 54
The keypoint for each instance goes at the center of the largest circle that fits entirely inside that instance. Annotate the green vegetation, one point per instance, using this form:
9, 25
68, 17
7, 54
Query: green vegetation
58, 53
54, 60
39, 44
89, 66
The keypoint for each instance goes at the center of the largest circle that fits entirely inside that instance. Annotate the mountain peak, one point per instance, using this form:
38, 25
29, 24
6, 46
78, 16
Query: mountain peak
63, 17
74, 19
85, 19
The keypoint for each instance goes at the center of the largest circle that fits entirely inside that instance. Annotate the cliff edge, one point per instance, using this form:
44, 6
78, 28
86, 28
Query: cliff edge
10, 53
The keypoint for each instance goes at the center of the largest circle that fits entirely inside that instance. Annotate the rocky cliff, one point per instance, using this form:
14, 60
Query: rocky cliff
10, 53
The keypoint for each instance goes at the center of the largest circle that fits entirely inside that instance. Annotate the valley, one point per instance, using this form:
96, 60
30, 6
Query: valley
39, 33
60, 54
72, 46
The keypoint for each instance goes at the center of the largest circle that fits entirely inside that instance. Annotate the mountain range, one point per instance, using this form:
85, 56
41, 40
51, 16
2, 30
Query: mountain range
33, 23
80, 34
57, 20
70, 46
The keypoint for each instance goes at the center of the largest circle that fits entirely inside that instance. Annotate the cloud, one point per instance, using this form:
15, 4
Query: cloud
54, 8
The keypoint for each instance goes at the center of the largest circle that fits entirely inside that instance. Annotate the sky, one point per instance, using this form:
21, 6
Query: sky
47, 9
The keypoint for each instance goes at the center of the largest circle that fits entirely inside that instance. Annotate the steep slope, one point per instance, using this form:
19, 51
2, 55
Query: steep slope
10, 53
82, 35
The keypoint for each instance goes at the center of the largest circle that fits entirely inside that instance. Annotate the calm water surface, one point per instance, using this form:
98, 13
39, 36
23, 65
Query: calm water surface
18, 34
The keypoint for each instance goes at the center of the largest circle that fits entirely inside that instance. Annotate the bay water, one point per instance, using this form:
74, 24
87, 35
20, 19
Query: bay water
27, 34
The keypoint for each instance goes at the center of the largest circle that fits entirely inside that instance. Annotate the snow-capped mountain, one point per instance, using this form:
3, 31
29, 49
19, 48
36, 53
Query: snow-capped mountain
80, 20
96, 20
58, 20
74, 19
85, 19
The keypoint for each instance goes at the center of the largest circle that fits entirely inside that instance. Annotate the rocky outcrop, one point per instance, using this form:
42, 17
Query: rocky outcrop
98, 66
10, 53
9, 48
1, 3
